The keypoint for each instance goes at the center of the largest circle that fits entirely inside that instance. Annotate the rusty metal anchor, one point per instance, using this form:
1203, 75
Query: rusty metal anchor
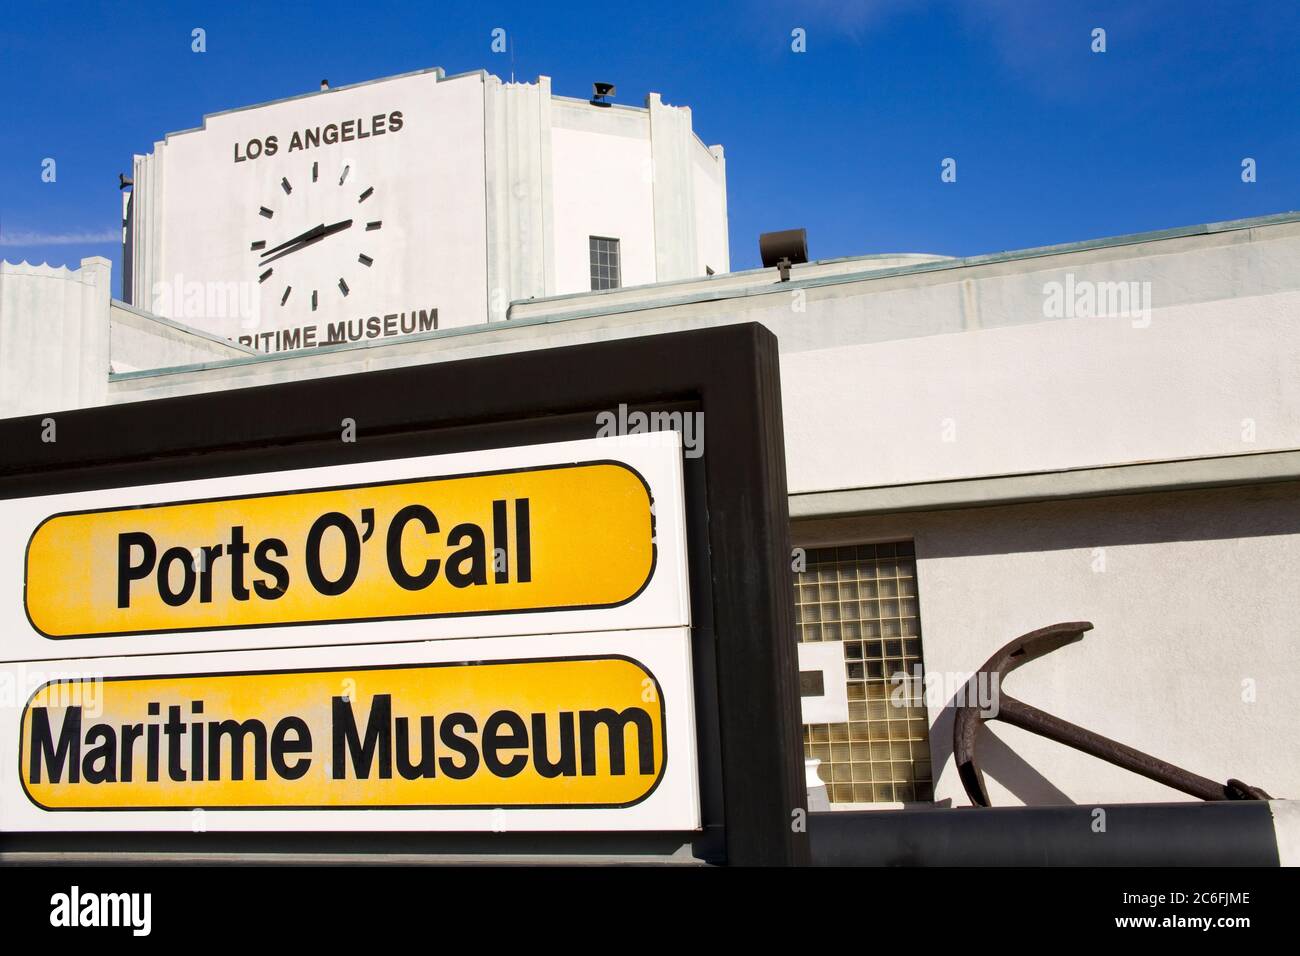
1029, 647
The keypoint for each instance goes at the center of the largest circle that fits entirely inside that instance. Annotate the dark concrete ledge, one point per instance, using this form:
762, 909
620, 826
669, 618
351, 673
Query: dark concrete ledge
1126, 479
1136, 834
350, 848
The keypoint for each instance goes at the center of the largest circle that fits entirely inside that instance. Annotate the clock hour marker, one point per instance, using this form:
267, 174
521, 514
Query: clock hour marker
265, 275
343, 287
345, 174
313, 300
315, 171
371, 226
366, 195
260, 244
364, 259
284, 184
285, 298
266, 212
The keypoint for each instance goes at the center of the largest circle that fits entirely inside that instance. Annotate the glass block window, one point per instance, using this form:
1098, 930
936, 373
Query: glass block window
606, 272
865, 596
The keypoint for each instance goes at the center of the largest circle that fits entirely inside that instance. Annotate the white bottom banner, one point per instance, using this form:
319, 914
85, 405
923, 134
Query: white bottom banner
585, 731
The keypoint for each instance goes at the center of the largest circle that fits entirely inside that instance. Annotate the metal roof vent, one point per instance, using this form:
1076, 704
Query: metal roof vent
783, 249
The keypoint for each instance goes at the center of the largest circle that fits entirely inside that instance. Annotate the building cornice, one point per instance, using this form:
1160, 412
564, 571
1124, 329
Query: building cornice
1123, 479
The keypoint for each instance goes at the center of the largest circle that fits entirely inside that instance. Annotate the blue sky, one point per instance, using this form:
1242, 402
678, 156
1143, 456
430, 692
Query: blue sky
1054, 143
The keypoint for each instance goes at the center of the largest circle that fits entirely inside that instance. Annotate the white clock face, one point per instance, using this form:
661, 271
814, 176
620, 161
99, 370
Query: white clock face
332, 238
321, 233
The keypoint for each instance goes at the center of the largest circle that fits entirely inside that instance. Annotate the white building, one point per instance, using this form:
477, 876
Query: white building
438, 200
1104, 431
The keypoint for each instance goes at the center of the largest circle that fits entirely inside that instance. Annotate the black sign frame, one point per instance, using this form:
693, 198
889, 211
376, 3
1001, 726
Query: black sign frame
753, 793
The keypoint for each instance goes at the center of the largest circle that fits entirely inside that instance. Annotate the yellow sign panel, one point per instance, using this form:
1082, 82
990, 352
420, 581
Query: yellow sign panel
577, 732
553, 538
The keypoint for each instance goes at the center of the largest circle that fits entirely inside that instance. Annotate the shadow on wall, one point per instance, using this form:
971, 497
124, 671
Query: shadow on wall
1180, 631
1239, 511
1160, 518
1002, 764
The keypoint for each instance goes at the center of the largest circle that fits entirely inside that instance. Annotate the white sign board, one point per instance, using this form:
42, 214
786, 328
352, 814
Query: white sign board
535, 732
570, 536
492, 640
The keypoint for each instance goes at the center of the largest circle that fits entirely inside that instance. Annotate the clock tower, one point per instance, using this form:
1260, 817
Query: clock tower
412, 204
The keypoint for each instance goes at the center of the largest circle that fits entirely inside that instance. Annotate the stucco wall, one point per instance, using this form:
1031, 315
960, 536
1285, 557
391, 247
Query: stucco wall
54, 341
1210, 378
139, 340
1194, 600
643, 177
949, 369
602, 188
712, 240
516, 147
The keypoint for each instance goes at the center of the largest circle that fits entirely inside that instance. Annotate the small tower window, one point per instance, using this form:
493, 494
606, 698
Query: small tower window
606, 270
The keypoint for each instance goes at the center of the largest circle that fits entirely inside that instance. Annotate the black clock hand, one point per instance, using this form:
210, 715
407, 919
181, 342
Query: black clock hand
313, 231
313, 235
336, 227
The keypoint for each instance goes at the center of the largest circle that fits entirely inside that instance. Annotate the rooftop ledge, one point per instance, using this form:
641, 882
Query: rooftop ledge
731, 285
